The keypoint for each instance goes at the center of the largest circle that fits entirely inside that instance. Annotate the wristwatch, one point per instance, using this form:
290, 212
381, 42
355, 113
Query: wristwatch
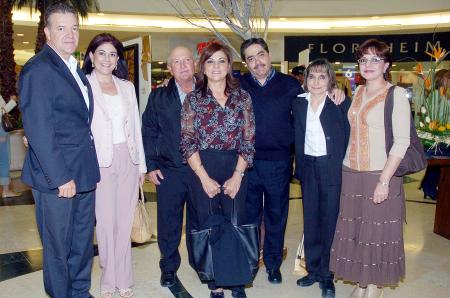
239, 172
384, 183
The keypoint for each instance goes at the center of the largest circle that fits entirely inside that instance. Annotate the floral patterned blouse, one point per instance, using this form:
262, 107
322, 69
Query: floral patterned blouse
205, 124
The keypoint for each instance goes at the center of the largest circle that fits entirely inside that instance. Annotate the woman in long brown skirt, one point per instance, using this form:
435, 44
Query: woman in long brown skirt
368, 242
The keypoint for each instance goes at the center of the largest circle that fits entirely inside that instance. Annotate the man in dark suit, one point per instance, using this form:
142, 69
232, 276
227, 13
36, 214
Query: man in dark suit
161, 125
61, 164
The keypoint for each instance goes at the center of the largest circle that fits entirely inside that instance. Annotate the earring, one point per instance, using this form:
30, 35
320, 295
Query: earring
115, 68
93, 66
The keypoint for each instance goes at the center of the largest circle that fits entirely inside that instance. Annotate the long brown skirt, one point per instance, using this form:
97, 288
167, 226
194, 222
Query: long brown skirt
368, 242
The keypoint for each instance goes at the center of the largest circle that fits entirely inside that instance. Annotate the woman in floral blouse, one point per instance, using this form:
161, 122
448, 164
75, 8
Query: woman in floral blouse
217, 140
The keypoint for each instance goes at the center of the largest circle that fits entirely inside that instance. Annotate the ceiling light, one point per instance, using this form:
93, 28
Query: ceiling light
99, 20
337, 62
20, 34
160, 62
25, 42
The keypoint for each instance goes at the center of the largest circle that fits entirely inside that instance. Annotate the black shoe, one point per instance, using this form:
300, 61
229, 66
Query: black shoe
306, 281
274, 276
167, 279
238, 292
328, 289
216, 294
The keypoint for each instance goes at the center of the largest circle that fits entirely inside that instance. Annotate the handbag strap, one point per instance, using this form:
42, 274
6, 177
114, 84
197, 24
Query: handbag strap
388, 109
141, 191
233, 213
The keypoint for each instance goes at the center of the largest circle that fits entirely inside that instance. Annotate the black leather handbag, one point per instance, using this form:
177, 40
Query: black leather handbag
414, 159
200, 247
9, 123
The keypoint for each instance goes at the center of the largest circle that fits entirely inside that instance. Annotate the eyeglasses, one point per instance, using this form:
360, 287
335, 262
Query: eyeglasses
372, 60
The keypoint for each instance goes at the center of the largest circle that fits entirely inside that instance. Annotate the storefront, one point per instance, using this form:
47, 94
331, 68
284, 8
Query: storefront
407, 51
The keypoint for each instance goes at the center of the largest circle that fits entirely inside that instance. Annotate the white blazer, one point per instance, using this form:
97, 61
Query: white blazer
102, 129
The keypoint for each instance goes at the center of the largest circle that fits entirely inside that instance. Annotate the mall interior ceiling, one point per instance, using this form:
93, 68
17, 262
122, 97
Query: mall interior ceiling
132, 18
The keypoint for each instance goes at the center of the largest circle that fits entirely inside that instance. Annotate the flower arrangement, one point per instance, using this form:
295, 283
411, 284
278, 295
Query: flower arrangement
431, 103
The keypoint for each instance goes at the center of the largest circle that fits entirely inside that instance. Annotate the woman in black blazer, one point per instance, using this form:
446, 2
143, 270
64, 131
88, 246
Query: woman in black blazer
321, 137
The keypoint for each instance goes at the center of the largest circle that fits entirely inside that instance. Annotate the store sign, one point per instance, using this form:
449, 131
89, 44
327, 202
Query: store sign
404, 47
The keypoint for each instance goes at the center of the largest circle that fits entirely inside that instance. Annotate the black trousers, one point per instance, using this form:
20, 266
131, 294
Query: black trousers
66, 227
268, 194
320, 210
220, 166
172, 194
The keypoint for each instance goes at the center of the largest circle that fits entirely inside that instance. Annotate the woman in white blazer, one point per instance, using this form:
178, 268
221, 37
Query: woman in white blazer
116, 128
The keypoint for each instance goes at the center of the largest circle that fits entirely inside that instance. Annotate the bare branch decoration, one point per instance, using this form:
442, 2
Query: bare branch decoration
245, 18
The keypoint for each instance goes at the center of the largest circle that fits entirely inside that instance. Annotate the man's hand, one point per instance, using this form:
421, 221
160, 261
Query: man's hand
154, 177
164, 83
67, 190
338, 96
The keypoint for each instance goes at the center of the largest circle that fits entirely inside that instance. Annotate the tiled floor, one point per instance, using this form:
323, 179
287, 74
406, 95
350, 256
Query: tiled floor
427, 256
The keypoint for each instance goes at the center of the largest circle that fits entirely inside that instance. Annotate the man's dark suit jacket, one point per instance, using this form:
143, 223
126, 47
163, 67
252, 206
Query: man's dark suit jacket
336, 129
57, 125
161, 128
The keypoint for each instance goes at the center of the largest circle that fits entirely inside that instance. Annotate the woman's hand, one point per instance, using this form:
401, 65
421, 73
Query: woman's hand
381, 193
25, 141
141, 179
210, 186
232, 185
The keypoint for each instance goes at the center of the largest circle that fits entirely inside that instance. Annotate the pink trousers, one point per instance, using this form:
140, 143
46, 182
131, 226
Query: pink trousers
116, 198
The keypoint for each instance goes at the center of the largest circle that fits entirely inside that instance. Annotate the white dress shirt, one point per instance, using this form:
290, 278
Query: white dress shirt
181, 93
315, 144
72, 65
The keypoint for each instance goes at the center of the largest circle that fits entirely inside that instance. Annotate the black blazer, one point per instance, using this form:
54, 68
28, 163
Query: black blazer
161, 128
57, 125
336, 128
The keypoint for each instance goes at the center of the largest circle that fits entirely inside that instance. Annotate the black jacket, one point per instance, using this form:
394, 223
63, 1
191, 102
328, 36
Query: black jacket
57, 125
161, 126
336, 128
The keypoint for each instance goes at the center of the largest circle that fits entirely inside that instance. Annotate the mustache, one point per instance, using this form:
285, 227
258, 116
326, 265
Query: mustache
259, 65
